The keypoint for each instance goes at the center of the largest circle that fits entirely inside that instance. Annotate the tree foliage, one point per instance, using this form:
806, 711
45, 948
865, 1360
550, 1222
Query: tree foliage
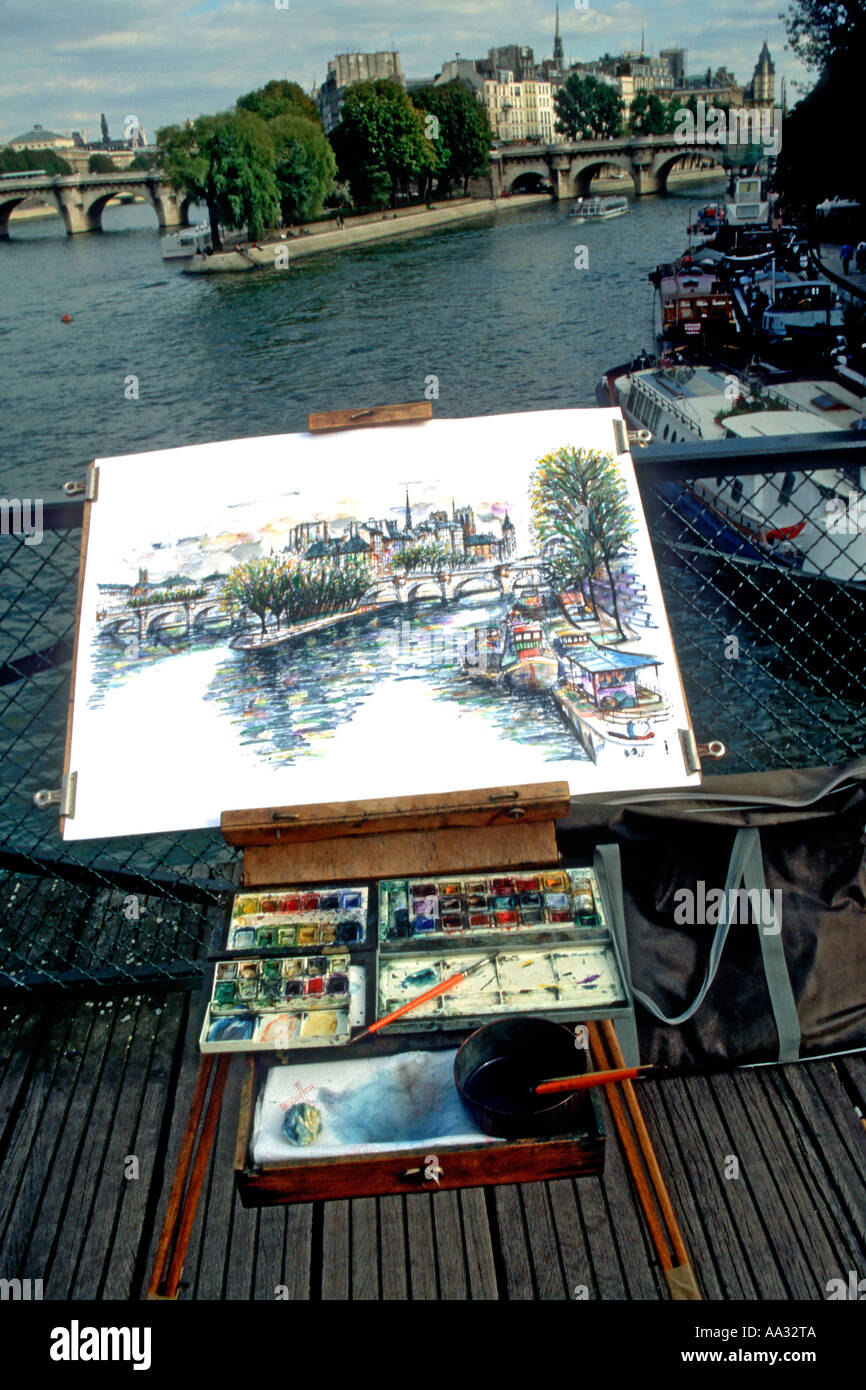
587, 108
304, 166
287, 589
648, 115
380, 142
227, 162
821, 30
581, 517
14, 161
464, 130
280, 98
101, 164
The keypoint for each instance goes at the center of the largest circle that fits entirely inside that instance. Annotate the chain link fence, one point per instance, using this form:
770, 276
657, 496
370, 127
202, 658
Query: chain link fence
771, 654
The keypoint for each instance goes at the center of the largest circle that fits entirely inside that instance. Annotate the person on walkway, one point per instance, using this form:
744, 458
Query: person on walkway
860, 257
845, 256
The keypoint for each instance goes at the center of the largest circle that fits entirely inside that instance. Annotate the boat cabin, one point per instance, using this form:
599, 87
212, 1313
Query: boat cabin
607, 677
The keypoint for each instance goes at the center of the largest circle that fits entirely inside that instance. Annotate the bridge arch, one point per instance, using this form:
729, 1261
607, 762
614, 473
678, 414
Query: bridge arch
167, 617
484, 583
584, 169
534, 169
416, 591
664, 163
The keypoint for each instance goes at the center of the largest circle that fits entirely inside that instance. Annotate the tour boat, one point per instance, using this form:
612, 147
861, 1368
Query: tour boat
598, 209
188, 242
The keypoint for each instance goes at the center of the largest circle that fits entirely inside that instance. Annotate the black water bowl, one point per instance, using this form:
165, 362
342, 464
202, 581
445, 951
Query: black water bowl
497, 1067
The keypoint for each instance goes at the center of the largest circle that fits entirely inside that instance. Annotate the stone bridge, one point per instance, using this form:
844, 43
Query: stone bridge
570, 167
81, 198
146, 621
505, 577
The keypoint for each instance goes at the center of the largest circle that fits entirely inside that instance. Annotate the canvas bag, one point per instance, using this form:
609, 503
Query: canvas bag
726, 993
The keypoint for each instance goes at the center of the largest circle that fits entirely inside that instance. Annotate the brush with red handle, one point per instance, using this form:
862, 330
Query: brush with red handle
588, 1079
422, 998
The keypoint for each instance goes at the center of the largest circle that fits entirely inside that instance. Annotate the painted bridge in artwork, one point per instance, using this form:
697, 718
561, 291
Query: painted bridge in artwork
451, 584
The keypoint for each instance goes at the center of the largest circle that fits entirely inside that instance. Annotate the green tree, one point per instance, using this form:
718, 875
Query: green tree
648, 115
587, 109
464, 130
227, 162
380, 142
581, 517
820, 31
304, 166
143, 161
251, 584
101, 164
14, 161
280, 98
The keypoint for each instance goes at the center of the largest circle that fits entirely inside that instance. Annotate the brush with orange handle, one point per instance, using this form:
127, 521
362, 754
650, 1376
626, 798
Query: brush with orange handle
422, 998
588, 1079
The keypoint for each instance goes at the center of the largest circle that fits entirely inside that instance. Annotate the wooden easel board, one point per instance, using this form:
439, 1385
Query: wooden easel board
183, 692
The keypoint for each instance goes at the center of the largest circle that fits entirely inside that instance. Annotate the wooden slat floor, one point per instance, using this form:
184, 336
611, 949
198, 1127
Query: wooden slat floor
85, 1087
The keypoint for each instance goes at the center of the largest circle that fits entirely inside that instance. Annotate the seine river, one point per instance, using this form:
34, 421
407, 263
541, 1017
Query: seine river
496, 311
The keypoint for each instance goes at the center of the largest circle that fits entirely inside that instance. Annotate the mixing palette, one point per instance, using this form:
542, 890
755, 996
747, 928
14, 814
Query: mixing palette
582, 980
537, 900
299, 917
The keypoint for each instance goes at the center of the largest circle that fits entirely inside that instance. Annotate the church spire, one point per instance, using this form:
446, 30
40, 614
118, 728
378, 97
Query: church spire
408, 513
558, 55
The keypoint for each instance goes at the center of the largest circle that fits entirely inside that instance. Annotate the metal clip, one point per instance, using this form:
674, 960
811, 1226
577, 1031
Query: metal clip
86, 487
640, 437
714, 749
431, 1171
64, 797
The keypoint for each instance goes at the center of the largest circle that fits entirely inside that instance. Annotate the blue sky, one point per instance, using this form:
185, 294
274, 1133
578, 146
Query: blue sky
163, 60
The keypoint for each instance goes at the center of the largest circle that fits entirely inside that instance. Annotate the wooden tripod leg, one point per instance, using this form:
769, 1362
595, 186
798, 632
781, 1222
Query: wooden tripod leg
180, 1176
645, 1196
197, 1176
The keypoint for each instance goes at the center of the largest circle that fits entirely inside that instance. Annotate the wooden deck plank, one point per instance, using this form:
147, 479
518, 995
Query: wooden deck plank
449, 1243
269, 1272
36, 1139
603, 1273
392, 1236
164, 1019
297, 1222
336, 1250
677, 1129
543, 1245
570, 1237
228, 1237
478, 1246
69, 1210
365, 1249
19, 1036
423, 1283
512, 1242
625, 1225
831, 1177
748, 1206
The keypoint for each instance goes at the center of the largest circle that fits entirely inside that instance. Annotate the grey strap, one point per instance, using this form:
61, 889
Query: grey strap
742, 840
746, 867
782, 1000
608, 871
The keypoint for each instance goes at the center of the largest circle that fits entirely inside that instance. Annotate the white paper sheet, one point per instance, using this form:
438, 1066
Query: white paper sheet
172, 725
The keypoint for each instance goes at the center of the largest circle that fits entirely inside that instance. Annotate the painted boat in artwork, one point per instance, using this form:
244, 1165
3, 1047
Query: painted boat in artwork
529, 663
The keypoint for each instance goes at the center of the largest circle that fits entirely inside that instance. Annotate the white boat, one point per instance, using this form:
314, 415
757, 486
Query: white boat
812, 521
597, 209
747, 203
188, 242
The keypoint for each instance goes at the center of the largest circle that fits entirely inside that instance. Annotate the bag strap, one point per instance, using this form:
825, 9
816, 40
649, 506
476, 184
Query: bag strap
746, 867
782, 1000
607, 865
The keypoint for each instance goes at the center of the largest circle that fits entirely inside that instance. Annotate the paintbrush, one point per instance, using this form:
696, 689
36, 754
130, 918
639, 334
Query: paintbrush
588, 1079
422, 998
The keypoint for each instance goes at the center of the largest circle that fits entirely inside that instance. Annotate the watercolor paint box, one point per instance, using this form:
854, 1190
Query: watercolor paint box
330, 918
546, 903
362, 1167
276, 1003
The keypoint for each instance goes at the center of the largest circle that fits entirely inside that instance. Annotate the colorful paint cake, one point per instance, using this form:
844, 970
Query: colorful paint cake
529, 901
286, 917
284, 1001
570, 978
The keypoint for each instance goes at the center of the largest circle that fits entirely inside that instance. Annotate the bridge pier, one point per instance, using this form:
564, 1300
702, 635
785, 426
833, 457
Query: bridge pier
645, 181
169, 212
77, 215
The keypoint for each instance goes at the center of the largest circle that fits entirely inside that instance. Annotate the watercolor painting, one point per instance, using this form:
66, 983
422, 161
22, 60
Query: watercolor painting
376, 613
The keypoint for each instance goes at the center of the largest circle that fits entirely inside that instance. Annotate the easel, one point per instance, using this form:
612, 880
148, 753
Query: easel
502, 827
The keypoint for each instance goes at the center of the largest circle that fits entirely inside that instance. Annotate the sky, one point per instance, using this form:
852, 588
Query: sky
163, 60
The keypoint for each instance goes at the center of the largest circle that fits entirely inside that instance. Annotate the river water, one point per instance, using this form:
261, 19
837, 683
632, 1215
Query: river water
496, 311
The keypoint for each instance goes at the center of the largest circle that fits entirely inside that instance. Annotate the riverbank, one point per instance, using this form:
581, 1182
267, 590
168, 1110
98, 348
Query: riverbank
332, 238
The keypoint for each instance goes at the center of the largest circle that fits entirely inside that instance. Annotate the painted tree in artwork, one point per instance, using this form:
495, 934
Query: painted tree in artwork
582, 519
251, 584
